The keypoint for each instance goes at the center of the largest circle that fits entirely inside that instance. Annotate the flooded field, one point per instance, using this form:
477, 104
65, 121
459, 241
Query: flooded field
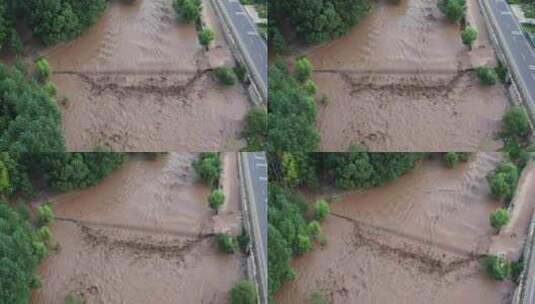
418, 239
400, 80
139, 80
143, 235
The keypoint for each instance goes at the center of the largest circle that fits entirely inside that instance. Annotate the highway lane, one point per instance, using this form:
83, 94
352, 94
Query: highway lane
518, 50
249, 39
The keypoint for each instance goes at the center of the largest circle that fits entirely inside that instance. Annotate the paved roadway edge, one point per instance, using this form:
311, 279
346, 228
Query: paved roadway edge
247, 204
228, 26
497, 37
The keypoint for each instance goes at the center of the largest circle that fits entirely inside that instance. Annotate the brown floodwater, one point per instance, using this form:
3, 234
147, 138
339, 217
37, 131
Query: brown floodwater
398, 81
416, 240
143, 235
138, 80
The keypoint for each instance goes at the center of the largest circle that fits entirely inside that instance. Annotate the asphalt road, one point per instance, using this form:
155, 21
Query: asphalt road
518, 50
258, 172
250, 41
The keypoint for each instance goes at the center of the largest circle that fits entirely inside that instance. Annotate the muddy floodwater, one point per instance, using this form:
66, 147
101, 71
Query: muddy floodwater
139, 80
418, 239
143, 235
400, 80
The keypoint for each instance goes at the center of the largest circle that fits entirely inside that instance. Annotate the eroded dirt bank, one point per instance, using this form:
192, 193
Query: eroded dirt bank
143, 235
138, 80
415, 240
398, 81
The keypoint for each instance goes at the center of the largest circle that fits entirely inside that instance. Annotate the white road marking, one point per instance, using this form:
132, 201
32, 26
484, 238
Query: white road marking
531, 67
263, 178
518, 33
252, 33
261, 165
241, 13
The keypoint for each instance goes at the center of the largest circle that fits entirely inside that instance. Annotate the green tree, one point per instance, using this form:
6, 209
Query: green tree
206, 36
497, 267
487, 76
516, 122
498, 218
303, 69
243, 292
5, 185
189, 10
45, 215
216, 199
225, 76
453, 9
451, 159
42, 70
208, 167
225, 242
314, 229
321, 210
14, 42
468, 36
255, 130
503, 180
303, 244
310, 87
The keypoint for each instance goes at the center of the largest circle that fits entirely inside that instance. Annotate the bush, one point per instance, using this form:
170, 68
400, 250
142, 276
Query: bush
318, 298
516, 270
45, 215
314, 229
243, 292
208, 167
321, 210
216, 199
303, 244
50, 89
486, 75
453, 9
42, 70
501, 70
503, 180
497, 267
310, 87
303, 69
225, 76
499, 218
206, 36
468, 36
14, 42
225, 243
243, 240
451, 159
255, 130
516, 122
74, 298
189, 10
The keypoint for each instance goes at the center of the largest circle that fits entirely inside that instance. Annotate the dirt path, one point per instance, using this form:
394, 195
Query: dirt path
138, 81
415, 240
143, 235
397, 81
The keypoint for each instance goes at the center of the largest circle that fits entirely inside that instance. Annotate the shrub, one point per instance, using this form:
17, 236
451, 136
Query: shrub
216, 199
255, 130
36, 282
501, 70
453, 9
189, 10
499, 218
42, 70
503, 180
303, 69
240, 71
74, 298
43, 234
45, 215
243, 240
14, 42
497, 267
318, 298
206, 36
225, 76
516, 269
50, 89
486, 75
243, 292
468, 36
208, 167
225, 242
451, 159
303, 244
314, 229
321, 210
516, 122
310, 87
